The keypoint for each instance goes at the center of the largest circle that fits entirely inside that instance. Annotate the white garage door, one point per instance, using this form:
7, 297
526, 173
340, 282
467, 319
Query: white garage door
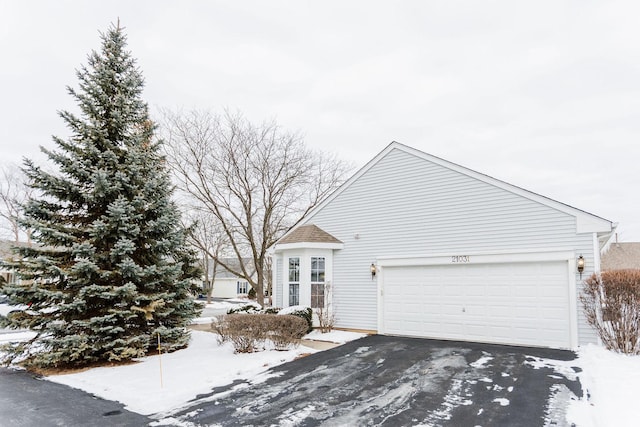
516, 303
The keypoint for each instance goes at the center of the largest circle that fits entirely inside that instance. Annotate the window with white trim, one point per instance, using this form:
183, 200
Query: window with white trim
317, 281
294, 281
243, 287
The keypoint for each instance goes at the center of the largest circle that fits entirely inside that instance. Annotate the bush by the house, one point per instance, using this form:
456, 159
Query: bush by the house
285, 330
296, 310
248, 332
326, 319
301, 311
251, 294
612, 305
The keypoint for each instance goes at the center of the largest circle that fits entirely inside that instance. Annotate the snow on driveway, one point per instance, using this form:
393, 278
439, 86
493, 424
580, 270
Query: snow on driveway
393, 381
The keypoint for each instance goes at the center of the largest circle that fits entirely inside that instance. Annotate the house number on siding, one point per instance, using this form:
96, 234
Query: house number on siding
460, 258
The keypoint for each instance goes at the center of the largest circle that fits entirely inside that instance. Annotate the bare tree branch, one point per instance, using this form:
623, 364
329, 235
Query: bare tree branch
255, 180
14, 192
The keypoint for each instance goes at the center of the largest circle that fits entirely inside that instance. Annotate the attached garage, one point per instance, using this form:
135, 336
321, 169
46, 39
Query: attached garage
496, 299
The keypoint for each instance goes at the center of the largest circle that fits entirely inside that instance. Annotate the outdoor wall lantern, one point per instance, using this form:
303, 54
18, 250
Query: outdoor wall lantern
373, 271
580, 265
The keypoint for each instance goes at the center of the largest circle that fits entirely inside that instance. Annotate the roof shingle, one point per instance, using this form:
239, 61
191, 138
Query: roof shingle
622, 256
309, 233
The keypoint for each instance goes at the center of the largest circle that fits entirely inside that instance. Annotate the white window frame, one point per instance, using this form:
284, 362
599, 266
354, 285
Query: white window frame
320, 280
293, 281
242, 285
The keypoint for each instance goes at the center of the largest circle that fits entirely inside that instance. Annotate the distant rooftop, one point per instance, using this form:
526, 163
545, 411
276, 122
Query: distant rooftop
309, 233
621, 256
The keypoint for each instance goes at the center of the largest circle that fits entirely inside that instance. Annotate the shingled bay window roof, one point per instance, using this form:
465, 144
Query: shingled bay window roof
309, 233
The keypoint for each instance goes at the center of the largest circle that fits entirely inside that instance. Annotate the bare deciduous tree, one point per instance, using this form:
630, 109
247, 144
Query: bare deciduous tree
206, 234
256, 180
14, 191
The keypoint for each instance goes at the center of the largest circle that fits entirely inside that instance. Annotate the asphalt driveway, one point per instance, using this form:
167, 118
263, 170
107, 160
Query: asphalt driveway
26, 401
391, 381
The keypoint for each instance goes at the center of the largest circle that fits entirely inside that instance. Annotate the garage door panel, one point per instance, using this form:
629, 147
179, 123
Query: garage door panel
518, 303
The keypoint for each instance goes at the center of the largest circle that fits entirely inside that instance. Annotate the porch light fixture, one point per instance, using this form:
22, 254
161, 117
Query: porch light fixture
373, 271
580, 265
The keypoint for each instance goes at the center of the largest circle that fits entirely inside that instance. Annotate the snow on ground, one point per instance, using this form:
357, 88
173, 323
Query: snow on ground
185, 374
6, 308
609, 383
224, 305
7, 335
338, 337
611, 380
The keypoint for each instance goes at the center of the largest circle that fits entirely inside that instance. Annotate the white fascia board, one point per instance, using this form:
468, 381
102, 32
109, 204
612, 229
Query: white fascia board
307, 245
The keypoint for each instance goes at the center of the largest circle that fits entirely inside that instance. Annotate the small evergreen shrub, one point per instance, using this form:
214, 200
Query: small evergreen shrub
251, 294
611, 303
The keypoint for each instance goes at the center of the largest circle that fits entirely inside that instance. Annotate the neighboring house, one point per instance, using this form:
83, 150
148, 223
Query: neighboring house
6, 254
226, 284
415, 245
621, 256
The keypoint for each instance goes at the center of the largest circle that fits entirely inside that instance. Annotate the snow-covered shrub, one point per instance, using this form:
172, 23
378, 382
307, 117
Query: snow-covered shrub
301, 311
271, 310
248, 333
611, 302
249, 308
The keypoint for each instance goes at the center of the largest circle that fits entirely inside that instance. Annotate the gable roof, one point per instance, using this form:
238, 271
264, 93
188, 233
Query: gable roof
307, 236
585, 222
621, 256
234, 263
308, 233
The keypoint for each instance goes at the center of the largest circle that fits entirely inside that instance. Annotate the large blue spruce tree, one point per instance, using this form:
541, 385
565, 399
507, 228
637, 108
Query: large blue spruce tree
110, 270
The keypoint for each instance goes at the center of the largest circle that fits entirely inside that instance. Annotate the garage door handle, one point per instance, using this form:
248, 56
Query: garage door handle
463, 310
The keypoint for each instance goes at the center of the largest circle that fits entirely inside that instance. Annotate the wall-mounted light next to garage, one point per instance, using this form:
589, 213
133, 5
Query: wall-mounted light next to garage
373, 271
580, 265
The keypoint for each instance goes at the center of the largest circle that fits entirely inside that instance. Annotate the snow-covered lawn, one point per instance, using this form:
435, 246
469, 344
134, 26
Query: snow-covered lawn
611, 380
185, 373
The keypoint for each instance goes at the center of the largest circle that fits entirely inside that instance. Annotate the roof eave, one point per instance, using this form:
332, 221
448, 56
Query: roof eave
279, 247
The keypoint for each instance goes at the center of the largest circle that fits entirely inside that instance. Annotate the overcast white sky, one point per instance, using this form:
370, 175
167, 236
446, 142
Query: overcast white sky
544, 95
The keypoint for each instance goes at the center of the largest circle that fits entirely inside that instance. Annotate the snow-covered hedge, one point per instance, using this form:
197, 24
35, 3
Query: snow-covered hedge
248, 308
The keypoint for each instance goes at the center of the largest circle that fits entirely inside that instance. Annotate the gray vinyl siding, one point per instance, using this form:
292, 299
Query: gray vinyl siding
277, 287
405, 205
